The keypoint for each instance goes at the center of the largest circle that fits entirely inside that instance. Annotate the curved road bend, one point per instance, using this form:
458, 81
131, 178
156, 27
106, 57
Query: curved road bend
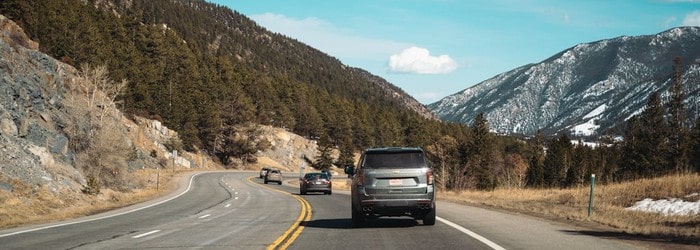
221, 210
225, 210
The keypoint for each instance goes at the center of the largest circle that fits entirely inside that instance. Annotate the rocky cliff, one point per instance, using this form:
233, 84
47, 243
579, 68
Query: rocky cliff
44, 126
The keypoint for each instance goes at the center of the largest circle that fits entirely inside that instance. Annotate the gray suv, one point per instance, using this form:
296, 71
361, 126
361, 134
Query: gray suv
392, 182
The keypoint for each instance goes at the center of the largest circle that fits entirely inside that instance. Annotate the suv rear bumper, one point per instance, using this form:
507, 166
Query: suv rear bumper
415, 205
317, 189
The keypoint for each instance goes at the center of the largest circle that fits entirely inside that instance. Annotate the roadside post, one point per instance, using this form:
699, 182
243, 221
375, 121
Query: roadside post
174, 157
301, 171
590, 199
157, 177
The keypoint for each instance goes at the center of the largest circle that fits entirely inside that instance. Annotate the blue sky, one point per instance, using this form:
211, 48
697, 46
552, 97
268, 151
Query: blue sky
432, 49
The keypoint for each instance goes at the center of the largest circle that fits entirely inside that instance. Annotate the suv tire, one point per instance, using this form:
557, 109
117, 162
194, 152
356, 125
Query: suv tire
429, 218
358, 220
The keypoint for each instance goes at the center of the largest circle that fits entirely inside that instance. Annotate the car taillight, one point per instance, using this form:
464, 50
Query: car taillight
429, 176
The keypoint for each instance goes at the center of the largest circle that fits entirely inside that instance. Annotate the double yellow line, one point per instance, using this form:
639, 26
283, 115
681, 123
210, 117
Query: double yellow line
293, 232
288, 237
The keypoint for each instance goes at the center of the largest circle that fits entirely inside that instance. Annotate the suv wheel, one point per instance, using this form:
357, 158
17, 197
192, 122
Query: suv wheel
429, 218
358, 219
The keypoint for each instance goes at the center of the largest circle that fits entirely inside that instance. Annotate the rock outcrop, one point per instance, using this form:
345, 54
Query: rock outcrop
35, 115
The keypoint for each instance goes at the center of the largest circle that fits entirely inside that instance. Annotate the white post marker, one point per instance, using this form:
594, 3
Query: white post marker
174, 157
301, 171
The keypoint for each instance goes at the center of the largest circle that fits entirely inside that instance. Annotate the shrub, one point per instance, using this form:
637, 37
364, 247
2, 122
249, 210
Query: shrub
92, 187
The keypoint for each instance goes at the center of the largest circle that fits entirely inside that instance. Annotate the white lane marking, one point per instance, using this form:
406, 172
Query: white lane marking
472, 234
204, 216
227, 205
144, 234
236, 193
236, 198
105, 217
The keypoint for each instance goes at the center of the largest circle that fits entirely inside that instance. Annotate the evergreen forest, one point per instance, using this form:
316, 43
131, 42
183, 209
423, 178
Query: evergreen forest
206, 71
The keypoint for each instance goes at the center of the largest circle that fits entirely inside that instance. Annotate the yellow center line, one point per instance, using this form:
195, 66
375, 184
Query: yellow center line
288, 237
300, 226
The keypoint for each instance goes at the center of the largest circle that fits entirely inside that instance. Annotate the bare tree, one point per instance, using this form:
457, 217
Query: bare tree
95, 131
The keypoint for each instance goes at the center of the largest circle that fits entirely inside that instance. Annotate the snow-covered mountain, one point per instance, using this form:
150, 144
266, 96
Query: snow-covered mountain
585, 89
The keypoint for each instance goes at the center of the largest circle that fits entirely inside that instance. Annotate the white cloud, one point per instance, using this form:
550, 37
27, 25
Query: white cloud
692, 19
325, 36
418, 60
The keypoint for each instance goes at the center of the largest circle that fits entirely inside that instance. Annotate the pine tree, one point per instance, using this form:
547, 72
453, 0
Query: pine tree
677, 120
416, 131
645, 148
581, 163
695, 148
557, 161
535, 171
324, 161
608, 156
654, 139
482, 153
347, 154
363, 134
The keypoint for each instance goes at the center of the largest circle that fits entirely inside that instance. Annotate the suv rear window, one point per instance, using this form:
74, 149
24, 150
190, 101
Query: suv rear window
412, 159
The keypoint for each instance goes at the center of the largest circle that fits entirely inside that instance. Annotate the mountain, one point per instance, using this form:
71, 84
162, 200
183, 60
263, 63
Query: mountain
586, 90
213, 29
202, 69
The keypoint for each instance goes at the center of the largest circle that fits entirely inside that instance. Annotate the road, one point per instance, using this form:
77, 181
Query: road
225, 210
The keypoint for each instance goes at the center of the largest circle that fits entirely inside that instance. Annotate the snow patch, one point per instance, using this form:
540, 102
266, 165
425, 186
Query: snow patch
585, 129
667, 207
596, 112
588, 128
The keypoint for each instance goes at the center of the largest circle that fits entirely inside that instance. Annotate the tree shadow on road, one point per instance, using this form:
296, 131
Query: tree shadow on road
346, 223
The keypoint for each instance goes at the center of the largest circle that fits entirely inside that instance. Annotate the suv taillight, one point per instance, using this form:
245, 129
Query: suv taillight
429, 176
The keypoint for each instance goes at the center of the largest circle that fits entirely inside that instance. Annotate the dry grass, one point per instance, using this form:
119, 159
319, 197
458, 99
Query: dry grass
26, 205
609, 205
341, 183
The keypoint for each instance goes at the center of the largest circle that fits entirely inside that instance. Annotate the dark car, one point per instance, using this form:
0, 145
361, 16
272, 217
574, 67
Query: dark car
274, 175
392, 182
263, 172
316, 182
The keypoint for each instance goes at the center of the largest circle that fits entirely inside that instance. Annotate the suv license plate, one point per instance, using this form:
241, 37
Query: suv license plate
395, 182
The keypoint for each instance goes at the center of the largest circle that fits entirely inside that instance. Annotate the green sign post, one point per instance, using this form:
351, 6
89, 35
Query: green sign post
590, 199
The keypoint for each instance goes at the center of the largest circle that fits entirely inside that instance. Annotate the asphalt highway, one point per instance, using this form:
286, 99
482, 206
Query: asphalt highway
235, 210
